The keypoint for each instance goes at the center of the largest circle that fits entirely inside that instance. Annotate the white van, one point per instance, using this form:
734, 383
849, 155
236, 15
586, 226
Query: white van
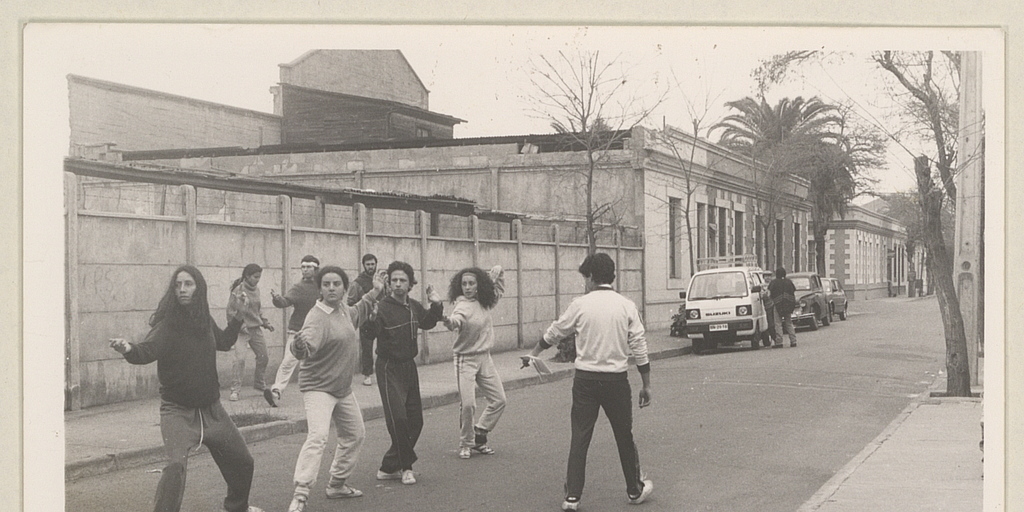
724, 306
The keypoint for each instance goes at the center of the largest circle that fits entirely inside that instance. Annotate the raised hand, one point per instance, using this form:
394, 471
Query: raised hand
120, 345
432, 294
495, 272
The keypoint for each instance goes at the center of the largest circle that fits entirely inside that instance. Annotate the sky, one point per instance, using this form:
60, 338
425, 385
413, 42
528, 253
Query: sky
477, 73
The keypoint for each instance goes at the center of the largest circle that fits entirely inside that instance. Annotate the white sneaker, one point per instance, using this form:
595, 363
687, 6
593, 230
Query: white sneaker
368, 381
397, 475
465, 452
234, 396
644, 494
298, 504
571, 505
407, 477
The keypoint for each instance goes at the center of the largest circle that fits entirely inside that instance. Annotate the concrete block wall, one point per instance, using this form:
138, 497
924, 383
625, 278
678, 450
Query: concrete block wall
114, 287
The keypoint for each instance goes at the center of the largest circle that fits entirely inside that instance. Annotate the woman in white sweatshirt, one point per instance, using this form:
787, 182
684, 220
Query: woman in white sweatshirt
474, 293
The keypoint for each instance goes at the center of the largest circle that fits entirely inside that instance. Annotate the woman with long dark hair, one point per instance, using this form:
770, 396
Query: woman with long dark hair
244, 301
474, 293
183, 341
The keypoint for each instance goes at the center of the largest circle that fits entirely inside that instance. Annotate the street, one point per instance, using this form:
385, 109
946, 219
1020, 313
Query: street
737, 430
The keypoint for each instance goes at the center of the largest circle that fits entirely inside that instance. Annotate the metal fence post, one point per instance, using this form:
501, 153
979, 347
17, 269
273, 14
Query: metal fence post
360, 211
558, 269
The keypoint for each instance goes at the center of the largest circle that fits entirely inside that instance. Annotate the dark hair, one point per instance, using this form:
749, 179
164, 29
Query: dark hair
404, 267
484, 287
249, 270
368, 257
195, 314
331, 269
599, 267
780, 272
311, 258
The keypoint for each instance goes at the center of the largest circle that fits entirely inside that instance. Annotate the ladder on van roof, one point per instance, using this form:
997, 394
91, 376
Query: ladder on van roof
739, 260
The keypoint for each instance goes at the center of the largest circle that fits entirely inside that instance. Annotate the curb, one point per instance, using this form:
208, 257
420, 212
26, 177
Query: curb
263, 431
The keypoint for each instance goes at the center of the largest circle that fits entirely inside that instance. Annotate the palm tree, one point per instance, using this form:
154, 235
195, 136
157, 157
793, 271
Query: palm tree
781, 138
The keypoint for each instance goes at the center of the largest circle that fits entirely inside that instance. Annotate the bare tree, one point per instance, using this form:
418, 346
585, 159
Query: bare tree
933, 104
594, 105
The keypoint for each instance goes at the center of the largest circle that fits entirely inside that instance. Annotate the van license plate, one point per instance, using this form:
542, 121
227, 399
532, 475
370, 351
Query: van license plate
718, 327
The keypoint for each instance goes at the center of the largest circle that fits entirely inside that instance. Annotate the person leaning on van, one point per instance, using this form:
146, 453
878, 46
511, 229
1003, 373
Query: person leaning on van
783, 295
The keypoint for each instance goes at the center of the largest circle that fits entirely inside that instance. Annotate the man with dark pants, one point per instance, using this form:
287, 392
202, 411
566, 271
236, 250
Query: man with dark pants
301, 296
362, 284
399, 318
783, 294
608, 329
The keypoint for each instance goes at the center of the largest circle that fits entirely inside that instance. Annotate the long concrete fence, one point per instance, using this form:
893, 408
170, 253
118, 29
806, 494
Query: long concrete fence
119, 264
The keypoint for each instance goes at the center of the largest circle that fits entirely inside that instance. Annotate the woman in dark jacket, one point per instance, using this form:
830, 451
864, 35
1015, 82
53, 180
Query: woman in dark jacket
183, 341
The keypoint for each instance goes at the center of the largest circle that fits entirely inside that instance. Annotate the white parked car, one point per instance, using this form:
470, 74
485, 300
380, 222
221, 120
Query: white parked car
725, 306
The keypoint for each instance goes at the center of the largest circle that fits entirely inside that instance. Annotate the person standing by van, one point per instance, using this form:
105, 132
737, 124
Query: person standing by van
782, 292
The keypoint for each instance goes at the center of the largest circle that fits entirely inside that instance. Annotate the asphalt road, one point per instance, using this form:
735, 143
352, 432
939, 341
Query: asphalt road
734, 431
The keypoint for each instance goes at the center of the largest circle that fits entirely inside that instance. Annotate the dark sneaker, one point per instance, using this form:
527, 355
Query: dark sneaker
644, 493
272, 396
481, 436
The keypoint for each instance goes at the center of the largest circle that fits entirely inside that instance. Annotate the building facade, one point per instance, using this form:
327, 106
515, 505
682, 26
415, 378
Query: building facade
867, 251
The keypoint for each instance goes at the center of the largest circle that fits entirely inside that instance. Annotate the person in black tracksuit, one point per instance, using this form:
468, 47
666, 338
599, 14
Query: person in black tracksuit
399, 318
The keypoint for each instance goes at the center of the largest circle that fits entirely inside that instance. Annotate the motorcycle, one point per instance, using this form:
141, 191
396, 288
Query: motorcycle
678, 329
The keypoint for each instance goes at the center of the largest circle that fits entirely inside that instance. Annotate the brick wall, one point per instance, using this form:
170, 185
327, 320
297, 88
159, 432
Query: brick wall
139, 119
381, 74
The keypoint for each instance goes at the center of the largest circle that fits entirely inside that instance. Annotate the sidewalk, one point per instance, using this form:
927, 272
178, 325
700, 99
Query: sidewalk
927, 459
124, 435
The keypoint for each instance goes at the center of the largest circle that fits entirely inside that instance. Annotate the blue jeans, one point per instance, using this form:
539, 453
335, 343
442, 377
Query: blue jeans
253, 337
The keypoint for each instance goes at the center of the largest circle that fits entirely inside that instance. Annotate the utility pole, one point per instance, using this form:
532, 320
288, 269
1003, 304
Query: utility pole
969, 257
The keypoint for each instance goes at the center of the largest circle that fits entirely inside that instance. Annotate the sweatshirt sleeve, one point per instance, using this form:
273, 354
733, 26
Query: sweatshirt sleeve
312, 332
429, 317
149, 349
458, 316
564, 326
362, 311
637, 340
226, 338
286, 300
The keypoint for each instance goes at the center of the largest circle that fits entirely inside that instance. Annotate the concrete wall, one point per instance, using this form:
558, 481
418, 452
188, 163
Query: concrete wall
112, 288
140, 119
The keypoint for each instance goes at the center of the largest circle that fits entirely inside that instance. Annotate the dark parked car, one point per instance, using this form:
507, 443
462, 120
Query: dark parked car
838, 305
812, 306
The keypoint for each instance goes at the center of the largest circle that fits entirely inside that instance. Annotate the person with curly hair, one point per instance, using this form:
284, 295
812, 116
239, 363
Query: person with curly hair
474, 294
184, 340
